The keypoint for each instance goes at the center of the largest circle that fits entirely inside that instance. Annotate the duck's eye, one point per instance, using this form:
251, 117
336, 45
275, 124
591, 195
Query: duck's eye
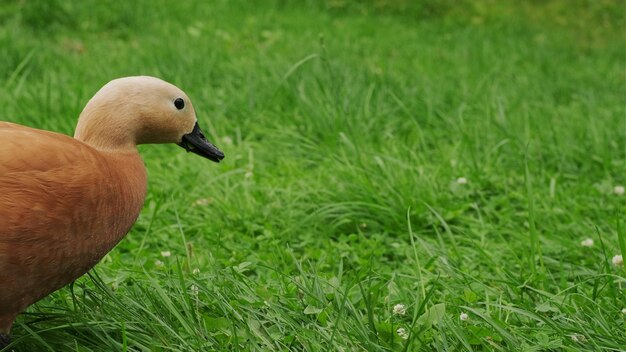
179, 103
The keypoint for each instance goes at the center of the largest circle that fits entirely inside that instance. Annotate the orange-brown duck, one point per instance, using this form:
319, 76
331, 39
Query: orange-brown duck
65, 202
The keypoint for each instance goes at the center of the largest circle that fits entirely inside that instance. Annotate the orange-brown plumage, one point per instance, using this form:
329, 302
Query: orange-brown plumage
65, 202
63, 208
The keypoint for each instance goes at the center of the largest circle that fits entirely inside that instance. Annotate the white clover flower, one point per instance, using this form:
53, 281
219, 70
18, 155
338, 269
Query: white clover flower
399, 309
158, 263
587, 243
166, 254
403, 333
202, 202
578, 338
194, 290
464, 316
618, 260
227, 140
619, 190
624, 311
461, 180
195, 271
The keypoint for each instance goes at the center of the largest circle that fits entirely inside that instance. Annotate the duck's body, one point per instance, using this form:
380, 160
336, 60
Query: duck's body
65, 202
63, 206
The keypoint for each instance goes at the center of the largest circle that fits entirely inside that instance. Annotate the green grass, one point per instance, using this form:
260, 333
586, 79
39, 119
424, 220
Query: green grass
345, 128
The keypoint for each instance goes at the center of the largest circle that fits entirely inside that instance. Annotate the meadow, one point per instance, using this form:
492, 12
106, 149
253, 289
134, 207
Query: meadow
399, 175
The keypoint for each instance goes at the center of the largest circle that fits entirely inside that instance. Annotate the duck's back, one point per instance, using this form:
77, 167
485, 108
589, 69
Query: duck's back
63, 206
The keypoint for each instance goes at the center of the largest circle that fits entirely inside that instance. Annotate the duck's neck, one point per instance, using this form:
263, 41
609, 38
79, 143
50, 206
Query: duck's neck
99, 128
105, 139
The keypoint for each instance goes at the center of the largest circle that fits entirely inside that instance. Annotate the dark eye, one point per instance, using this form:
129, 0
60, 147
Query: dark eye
179, 103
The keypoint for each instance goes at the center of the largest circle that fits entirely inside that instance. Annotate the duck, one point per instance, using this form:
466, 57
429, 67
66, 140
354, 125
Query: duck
65, 202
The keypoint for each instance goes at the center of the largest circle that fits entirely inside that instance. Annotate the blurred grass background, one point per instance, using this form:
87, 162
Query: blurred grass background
346, 126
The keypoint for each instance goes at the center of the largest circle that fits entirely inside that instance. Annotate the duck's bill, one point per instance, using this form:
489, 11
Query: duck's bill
195, 142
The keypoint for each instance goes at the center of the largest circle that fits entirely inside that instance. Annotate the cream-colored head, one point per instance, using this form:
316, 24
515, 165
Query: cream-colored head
139, 110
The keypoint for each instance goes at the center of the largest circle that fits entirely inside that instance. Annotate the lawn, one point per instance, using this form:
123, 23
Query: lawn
399, 175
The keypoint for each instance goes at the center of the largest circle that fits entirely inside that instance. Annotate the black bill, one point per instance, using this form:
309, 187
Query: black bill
195, 142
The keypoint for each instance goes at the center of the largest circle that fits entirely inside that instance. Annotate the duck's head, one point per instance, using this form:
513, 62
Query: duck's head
140, 110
